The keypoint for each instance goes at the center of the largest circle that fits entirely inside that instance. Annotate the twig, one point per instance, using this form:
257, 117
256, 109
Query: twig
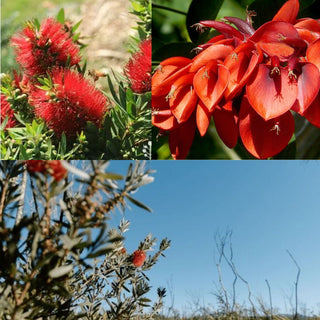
158, 6
295, 285
270, 299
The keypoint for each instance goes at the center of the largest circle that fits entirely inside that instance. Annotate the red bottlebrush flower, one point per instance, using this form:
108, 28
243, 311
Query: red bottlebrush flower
6, 111
52, 167
69, 104
36, 166
57, 170
40, 50
138, 258
138, 69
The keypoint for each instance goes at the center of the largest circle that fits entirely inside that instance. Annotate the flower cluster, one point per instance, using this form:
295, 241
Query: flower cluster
7, 112
69, 104
138, 258
40, 49
52, 167
62, 98
249, 81
138, 69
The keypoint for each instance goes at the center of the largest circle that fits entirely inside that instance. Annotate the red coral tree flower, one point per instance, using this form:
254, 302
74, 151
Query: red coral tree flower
138, 69
70, 103
138, 258
6, 111
40, 49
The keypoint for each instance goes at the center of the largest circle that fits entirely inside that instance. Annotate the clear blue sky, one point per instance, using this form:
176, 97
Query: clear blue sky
270, 206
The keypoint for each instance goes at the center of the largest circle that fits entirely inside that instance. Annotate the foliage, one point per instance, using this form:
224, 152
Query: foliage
59, 256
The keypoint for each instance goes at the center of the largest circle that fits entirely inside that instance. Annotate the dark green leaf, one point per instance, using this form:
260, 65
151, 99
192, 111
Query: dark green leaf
201, 10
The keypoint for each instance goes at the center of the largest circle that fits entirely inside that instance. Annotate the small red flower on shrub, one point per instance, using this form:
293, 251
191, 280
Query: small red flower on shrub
138, 258
6, 111
52, 167
138, 69
249, 81
69, 104
41, 49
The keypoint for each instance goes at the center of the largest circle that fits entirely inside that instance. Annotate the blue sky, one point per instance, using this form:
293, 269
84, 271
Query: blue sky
270, 206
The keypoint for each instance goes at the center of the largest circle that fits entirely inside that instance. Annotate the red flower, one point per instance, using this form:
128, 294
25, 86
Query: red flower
6, 111
39, 50
248, 81
52, 167
36, 166
138, 69
56, 170
138, 258
69, 104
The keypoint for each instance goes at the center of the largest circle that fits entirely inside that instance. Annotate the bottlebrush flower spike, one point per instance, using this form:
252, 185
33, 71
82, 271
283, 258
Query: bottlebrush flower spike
138, 69
138, 258
6, 111
52, 167
70, 103
41, 49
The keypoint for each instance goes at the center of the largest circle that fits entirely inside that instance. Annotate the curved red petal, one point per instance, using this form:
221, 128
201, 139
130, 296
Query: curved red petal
288, 12
183, 102
312, 114
176, 61
214, 52
181, 138
308, 87
203, 117
164, 77
264, 139
281, 50
226, 122
210, 83
240, 66
271, 96
313, 55
275, 31
163, 120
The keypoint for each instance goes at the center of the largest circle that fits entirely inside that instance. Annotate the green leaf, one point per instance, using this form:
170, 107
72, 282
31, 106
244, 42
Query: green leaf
183, 49
138, 203
100, 252
61, 16
289, 152
76, 26
201, 10
60, 271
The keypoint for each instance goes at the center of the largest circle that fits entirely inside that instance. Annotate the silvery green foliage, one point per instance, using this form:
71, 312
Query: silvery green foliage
62, 260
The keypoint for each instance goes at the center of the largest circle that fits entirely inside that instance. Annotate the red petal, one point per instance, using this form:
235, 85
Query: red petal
264, 139
312, 114
181, 138
166, 121
210, 82
281, 50
164, 77
308, 87
275, 31
176, 61
203, 118
313, 55
214, 52
183, 103
288, 12
271, 96
226, 122
240, 66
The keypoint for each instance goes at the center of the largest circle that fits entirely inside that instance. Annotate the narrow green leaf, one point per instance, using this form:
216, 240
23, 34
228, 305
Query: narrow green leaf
138, 203
61, 16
